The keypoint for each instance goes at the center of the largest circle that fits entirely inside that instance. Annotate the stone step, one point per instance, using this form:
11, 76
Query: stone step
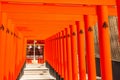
35, 65
35, 71
37, 77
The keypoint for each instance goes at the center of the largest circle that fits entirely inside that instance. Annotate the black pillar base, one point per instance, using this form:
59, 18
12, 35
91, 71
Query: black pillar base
54, 72
62, 79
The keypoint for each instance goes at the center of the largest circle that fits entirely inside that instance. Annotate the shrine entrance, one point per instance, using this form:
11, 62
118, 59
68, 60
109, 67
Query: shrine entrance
35, 51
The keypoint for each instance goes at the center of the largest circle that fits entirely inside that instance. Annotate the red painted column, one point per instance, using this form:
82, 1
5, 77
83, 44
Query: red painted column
81, 49
68, 53
104, 43
47, 43
7, 51
54, 49
118, 13
65, 56
51, 46
11, 52
57, 53
45, 50
1, 31
48, 50
15, 54
24, 45
62, 52
90, 54
58, 40
51, 51
19, 54
2, 44
74, 52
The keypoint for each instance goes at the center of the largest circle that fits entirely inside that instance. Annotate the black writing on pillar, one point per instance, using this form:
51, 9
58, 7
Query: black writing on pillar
81, 31
105, 25
68, 35
64, 36
2, 28
11, 33
7, 30
90, 29
73, 33
14, 35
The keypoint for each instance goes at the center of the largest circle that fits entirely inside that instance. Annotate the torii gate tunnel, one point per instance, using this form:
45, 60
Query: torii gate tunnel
67, 26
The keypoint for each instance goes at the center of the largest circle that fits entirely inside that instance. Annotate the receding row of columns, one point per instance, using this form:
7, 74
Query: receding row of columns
12, 49
71, 51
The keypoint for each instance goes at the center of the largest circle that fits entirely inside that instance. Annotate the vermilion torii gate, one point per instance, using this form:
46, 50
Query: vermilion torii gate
68, 47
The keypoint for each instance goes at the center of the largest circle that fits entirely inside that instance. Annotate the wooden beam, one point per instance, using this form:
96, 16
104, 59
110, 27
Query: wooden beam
87, 2
51, 9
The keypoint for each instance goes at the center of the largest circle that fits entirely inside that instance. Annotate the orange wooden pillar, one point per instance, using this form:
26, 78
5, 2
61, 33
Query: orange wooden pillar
118, 13
81, 49
24, 48
52, 51
58, 52
1, 73
59, 42
46, 50
68, 53
65, 56
90, 54
1, 31
55, 65
7, 50
51, 59
23, 51
74, 52
18, 66
62, 52
11, 57
2, 44
15, 53
104, 43
19, 53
